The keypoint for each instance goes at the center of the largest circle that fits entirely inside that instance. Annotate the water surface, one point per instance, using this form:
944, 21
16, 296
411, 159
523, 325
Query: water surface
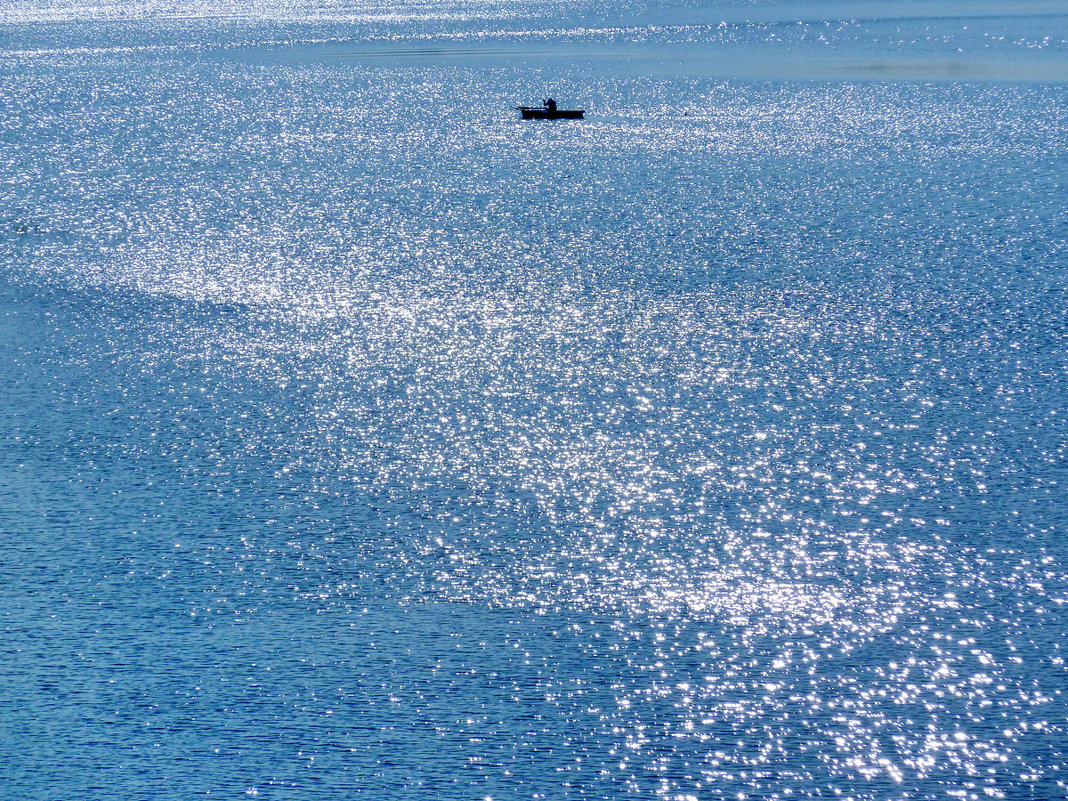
357, 439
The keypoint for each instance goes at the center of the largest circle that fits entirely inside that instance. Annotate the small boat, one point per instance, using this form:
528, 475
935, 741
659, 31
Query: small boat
545, 113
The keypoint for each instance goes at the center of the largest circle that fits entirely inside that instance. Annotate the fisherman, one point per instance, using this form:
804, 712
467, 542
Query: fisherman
550, 105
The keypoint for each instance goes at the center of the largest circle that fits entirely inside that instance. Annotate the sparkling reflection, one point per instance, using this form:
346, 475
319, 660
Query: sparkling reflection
360, 435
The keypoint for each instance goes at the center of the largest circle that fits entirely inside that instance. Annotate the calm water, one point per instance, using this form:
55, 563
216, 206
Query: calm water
358, 440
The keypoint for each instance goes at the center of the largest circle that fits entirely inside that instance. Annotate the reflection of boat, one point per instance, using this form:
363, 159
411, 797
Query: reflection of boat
545, 113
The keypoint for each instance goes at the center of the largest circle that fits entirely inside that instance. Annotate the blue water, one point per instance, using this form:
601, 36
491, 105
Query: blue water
360, 440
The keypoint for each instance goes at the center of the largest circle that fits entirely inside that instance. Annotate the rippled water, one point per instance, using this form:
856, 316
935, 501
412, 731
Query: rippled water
357, 439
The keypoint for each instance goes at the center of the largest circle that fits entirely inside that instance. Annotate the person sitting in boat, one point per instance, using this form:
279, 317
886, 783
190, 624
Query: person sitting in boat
550, 105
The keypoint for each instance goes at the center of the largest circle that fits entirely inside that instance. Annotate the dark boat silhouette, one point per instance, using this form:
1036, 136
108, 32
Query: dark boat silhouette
546, 113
